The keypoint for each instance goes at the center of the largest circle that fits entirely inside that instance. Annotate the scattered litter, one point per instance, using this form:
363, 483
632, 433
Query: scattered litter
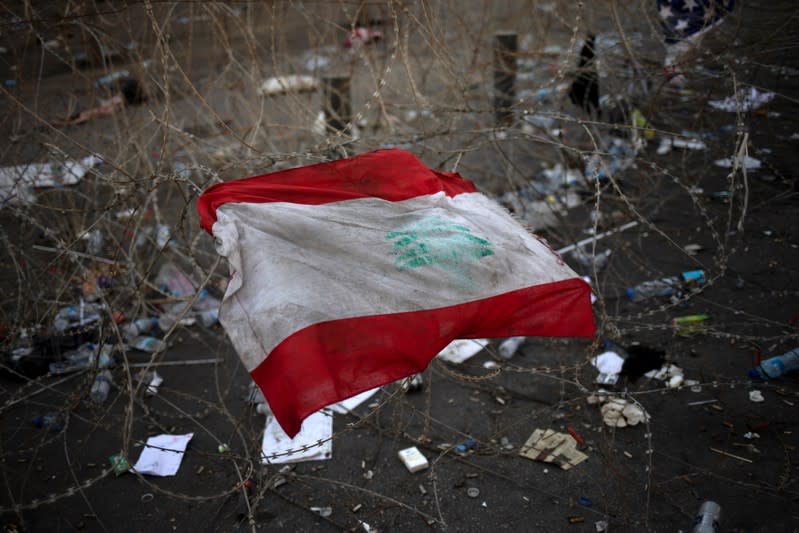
619, 413
185, 362
744, 100
620, 156
776, 366
119, 464
466, 446
285, 84
609, 365
672, 375
549, 446
601, 525
509, 346
722, 452
751, 435
693, 249
707, 518
702, 402
154, 382
598, 261
587, 279
315, 62
361, 36
313, 442
147, 344
693, 277
756, 396
109, 79
413, 459
460, 350
413, 383
585, 502
162, 455
324, 512
576, 519
685, 326
749, 163
346, 406
667, 143
254, 394
473, 492
17, 182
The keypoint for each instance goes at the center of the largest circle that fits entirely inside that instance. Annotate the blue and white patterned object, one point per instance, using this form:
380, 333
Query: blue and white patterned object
683, 19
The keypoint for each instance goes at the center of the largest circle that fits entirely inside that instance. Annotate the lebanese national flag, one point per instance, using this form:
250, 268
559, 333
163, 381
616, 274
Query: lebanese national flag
355, 273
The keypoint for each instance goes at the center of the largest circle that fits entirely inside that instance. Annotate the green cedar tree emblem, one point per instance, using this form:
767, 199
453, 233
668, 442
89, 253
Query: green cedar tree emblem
435, 241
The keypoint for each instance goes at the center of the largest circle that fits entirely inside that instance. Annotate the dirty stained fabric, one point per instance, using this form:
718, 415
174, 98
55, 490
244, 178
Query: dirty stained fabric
355, 273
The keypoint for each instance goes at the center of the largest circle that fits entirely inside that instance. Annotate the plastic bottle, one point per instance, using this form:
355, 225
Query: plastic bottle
137, 327
77, 315
656, 287
154, 380
108, 79
708, 518
209, 317
101, 386
51, 421
78, 359
776, 366
83, 354
148, 344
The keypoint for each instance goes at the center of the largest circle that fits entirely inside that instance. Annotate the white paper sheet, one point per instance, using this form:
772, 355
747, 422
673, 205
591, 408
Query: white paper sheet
460, 350
162, 455
345, 406
315, 428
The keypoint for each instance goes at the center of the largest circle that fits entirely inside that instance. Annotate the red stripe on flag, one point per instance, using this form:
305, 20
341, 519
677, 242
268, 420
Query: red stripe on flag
331, 361
393, 175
